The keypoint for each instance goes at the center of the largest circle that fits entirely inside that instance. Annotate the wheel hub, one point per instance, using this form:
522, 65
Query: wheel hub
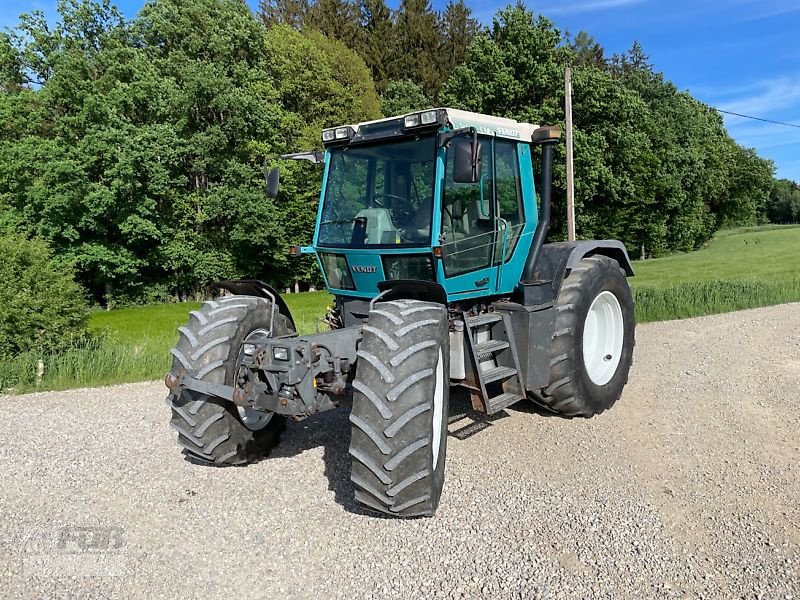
252, 418
603, 336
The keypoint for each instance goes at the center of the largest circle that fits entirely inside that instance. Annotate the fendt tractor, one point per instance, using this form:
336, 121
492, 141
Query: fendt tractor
429, 238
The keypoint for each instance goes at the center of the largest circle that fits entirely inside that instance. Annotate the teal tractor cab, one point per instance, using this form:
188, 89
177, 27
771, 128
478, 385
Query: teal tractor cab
430, 236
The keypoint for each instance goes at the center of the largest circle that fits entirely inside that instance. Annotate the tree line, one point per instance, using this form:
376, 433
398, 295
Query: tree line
135, 148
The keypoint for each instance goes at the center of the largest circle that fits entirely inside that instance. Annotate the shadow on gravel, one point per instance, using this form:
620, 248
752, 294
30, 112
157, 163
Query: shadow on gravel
331, 431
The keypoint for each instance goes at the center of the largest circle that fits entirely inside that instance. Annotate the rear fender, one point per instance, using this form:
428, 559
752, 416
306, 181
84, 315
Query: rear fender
558, 259
254, 287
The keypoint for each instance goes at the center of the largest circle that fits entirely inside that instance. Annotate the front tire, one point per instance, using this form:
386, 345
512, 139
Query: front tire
592, 346
400, 407
211, 429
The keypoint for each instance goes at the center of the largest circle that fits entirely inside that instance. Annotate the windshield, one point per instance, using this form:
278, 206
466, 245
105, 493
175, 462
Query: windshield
379, 195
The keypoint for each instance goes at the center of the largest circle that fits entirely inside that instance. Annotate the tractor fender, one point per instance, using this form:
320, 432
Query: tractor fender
557, 259
412, 289
254, 287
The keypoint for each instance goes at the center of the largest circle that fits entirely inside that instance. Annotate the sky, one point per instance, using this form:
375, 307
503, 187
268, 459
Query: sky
742, 56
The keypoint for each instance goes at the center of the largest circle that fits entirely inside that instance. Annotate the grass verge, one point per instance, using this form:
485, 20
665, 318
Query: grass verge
700, 298
742, 268
128, 344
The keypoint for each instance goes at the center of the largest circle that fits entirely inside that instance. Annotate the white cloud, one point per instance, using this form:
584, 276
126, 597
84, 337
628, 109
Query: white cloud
767, 99
567, 8
767, 9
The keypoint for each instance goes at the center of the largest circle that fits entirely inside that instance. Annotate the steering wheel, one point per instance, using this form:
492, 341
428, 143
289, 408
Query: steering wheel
379, 203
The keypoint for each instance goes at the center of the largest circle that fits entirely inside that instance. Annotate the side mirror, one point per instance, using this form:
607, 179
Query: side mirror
272, 179
467, 161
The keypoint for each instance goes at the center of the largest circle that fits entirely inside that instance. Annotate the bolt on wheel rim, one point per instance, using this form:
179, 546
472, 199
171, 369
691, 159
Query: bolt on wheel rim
603, 336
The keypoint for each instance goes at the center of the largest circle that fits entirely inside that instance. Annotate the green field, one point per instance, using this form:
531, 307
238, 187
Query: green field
742, 268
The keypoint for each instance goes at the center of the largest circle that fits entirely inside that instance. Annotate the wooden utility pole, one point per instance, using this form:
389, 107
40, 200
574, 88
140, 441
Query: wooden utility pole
570, 168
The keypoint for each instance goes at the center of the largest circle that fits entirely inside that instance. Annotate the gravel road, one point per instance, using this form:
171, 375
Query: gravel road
689, 487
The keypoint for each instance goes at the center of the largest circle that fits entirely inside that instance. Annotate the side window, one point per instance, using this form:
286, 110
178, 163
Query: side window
509, 195
467, 218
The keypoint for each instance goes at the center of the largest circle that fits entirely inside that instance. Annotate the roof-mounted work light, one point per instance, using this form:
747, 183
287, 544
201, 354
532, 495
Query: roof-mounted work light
423, 119
337, 134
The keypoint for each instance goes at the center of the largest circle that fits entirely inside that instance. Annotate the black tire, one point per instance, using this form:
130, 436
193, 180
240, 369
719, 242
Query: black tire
399, 433
572, 392
211, 429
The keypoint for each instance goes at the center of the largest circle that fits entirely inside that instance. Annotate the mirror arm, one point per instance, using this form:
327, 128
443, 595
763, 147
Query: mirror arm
445, 137
475, 151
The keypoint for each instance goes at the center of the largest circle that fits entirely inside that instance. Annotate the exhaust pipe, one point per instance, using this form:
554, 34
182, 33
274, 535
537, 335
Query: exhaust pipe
547, 138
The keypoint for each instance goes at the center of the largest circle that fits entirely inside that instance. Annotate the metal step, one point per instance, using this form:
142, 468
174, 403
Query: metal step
485, 350
497, 374
484, 319
502, 401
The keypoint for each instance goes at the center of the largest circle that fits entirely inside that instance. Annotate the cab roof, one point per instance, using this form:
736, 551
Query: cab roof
484, 124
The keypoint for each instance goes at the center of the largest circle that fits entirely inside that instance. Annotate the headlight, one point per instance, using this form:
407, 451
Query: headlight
411, 120
408, 266
280, 353
337, 134
428, 117
337, 271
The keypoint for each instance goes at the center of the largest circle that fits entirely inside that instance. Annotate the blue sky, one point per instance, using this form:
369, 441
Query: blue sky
738, 55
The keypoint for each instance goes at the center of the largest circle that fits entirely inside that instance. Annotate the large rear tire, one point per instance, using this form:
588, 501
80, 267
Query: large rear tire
211, 429
400, 403
592, 346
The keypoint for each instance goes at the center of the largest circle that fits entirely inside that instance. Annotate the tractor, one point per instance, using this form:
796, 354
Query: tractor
430, 236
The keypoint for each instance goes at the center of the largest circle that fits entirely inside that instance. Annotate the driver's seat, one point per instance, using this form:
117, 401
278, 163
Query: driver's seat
420, 226
380, 229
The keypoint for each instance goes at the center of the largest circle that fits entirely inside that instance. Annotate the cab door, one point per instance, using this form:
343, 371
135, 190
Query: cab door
469, 230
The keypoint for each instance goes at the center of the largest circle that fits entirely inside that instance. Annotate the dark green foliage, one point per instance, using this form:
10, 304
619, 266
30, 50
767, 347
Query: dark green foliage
588, 52
139, 157
654, 167
783, 205
283, 12
337, 19
402, 97
136, 149
457, 29
377, 44
417, 40
42, 309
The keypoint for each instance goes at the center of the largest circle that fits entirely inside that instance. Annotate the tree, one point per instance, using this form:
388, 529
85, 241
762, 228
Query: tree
283, 12
783, 205
377, 46
320, 83
417, 46
337, 19
403, 97
654, 167
11, 76
42, 309
457, 29
588, 52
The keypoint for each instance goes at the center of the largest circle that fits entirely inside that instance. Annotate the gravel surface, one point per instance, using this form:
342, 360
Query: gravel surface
689, 487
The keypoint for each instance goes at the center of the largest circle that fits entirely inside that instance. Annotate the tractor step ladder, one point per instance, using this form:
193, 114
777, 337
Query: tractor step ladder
494, 357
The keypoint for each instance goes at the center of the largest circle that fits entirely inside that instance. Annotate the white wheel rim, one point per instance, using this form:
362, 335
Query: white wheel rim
438, 409
254, 419
603, 336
